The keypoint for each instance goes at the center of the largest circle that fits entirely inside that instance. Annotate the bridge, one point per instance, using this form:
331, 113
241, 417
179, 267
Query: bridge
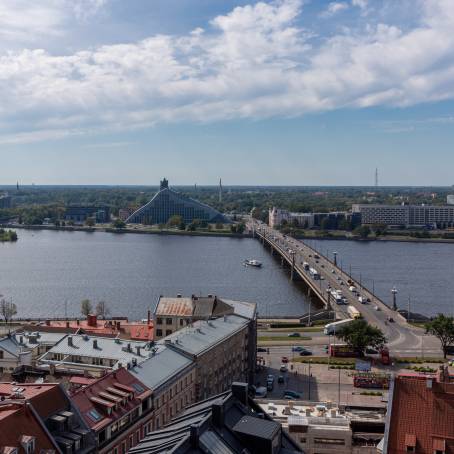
300, 258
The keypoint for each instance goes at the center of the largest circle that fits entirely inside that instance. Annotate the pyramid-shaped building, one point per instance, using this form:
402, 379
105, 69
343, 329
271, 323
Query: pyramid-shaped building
167, 203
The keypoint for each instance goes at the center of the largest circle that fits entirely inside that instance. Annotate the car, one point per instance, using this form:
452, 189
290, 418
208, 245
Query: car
305, 352
333, 271
371, 351
283, 368
297, 348
261, 349
289, 394
390, 320
270, 385
270, 377
294, 335
376, 308
261, 392
284, 359
368, 300
341, 283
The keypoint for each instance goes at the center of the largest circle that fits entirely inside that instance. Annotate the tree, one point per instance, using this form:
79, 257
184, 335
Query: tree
102, 310
175, 220
359, 334
7, 309
442, 327
90, 222
240, 227
119, 224
86, 307
363, 231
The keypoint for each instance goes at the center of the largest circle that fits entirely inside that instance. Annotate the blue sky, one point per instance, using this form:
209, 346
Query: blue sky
273, 92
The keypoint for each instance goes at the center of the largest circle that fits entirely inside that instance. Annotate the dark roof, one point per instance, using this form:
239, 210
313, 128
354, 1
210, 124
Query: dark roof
211, 426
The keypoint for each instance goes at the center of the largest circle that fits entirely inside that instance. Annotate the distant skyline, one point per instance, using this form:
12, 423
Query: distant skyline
272, 92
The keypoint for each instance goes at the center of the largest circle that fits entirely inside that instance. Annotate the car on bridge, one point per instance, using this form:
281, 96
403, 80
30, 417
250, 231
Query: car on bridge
294, 335
305, 352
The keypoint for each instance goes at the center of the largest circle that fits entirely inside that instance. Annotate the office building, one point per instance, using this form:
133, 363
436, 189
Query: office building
226, 423
277, 216
406, 215
41, 418
118, 410
420, 415
167, 203
174, 313
79, 214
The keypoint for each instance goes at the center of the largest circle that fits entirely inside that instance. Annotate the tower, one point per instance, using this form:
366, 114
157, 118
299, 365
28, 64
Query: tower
220, 190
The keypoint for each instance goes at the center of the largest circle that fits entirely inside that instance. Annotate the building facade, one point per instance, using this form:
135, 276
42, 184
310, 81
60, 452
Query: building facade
79, 214
406, 215
450, 199
167, 203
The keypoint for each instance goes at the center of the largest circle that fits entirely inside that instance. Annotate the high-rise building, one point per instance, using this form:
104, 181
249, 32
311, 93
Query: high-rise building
167, 203
450, 199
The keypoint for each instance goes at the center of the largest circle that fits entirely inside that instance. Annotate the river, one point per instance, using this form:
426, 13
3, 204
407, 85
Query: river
48, 273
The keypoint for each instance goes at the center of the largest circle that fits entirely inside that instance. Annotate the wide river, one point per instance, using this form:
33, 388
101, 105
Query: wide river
48, 271
422, 273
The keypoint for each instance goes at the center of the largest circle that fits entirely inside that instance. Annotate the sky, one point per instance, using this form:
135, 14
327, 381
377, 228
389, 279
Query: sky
271, 92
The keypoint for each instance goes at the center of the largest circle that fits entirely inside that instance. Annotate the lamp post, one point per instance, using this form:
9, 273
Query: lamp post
394, 296
335, 258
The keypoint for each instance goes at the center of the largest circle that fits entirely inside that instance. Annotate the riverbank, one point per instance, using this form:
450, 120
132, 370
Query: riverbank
143, 231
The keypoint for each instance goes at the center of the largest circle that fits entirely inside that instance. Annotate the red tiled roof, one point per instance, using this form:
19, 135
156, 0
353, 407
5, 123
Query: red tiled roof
47, 398
424, 407
16, 420
119, 383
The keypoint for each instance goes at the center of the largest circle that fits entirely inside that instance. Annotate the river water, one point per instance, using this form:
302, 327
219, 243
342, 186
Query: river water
48, 273
421, 272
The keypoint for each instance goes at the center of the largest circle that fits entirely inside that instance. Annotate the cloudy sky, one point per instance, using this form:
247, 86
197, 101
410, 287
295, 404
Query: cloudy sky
269, 92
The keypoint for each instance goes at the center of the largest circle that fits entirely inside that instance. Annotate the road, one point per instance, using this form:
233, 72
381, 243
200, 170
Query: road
401, 336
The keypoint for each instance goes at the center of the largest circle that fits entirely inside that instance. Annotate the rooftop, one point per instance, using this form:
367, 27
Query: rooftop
203, 335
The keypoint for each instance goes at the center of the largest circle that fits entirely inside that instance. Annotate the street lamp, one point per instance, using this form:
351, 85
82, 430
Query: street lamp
335, 258
394, 295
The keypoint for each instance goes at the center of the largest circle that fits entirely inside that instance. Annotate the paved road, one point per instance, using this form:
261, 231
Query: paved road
402, 337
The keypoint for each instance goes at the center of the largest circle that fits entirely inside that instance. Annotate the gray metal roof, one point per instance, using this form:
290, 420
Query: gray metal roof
107, 347
260, 428
214, 443
203, 335
162, 366
243, 308
10, 345
42, 338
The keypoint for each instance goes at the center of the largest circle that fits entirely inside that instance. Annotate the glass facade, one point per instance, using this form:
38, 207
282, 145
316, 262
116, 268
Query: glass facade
167, 203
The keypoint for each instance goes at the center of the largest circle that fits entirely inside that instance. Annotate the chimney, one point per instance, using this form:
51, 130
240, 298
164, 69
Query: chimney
217, 411
138, 350
194, 436
240, 391
118, 326
47, 322
67, 323
70, 341
78, 322
95, 343
129, 347
92, 320
148, 316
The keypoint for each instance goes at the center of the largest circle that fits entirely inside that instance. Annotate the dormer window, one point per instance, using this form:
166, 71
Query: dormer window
28, 443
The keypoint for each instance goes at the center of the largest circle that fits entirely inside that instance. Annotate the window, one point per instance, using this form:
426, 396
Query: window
123, 448
181, 322
410, 449
159, 321
131, 441
102, 436
168, 321
159, 332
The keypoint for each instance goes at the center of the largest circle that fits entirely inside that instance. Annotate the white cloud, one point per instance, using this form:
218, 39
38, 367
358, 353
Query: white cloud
360, 3
334, 8
254, 62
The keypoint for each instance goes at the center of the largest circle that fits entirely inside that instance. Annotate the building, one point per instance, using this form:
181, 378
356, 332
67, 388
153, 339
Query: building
172, 376
226, 423
406, 215
5, 201
93, 355
167, 203
13, 354
323, 428
277, 216
118, 410
79, 214
450, 199
223, 349
174, 313
124, 213
421, 414
40, 417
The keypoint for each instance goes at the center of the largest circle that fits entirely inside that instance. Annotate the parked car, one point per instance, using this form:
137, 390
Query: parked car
284, 359
305, 352
283, 368
294, 335
288, 394
280, 379
261, 349
261, 392
270, 385
297, 348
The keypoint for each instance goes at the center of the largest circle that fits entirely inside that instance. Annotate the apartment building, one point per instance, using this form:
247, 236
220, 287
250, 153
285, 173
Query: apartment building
94, 355
223, 350
173, 313
117, 408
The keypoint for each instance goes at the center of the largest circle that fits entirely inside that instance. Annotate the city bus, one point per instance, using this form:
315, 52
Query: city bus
332, 328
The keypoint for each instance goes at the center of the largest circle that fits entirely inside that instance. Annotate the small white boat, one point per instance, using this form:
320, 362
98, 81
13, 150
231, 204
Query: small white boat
253, 262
